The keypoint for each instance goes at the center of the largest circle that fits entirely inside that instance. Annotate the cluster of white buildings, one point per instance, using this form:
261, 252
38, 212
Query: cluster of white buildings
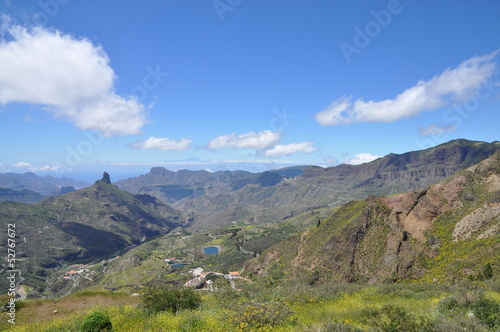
200, 280
77, 270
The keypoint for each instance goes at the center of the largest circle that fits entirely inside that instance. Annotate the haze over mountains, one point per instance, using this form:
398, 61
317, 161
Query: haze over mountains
381, 238
30, 188
216, 199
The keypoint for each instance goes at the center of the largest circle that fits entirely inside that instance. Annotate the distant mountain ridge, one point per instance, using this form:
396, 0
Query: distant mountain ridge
217, 199
172, 186
24, 196
448, 231
90, 223
405, 172
44, 185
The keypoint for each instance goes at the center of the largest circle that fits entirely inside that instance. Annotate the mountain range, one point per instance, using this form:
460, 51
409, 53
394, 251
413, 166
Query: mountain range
31, 188
218, 199
449, 204
447, 231
83, 225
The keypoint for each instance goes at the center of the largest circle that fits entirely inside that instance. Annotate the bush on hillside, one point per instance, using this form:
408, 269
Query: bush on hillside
96, 322
391, 318
475, 305
260, 315
162, 298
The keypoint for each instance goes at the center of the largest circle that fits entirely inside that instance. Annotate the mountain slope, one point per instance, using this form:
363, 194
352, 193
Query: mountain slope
87, 224
334, 186
44, 185
172, 186
24, 196
446, 231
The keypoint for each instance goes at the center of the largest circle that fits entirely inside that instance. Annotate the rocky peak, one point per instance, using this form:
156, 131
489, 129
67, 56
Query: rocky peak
106, 178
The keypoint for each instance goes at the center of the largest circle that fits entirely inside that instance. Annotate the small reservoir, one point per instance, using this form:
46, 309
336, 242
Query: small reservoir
177, 265
211, 250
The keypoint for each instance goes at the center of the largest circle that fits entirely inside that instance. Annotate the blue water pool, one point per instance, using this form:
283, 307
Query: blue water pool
211, 250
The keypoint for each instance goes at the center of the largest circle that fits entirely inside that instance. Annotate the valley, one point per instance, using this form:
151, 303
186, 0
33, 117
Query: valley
425, 222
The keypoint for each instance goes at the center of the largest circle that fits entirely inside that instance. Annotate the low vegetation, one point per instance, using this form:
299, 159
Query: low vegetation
166, 299
471, 306
96, 322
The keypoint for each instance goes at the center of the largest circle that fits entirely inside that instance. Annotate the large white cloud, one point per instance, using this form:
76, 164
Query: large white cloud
263, 140
165, 144
286, 150
450, 87
67, 76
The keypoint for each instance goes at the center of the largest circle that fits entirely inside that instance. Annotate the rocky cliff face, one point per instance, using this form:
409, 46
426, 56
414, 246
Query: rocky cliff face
407, 236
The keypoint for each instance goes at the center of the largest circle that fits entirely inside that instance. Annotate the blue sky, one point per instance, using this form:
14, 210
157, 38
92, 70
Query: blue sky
123, 86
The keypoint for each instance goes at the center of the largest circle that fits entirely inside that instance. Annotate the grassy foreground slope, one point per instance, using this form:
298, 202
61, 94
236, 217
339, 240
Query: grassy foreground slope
292, 307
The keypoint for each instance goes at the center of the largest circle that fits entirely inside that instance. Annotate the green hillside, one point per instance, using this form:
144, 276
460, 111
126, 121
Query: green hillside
448, 231
24, 196
81, 226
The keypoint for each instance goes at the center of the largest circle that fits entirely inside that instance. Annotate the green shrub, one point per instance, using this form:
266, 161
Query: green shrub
495, 197
5, 300
488, 271
462, 298
475, 305
259, 314
340, 327
459, 322
191, 323
162, 298
96, 322
391, 318
487, 311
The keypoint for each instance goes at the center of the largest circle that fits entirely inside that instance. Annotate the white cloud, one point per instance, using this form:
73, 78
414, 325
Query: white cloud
21, 164
69, 77
361, 158
449, 88
263, 140
34, 168
286, 150
330, 161
165, 144
433, 130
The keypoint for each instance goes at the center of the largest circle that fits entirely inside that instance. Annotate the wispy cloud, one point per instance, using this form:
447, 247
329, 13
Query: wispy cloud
361, 158
449, 88
286, 150
69, 77
34, 168
165, 144
433, 130
262, 140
